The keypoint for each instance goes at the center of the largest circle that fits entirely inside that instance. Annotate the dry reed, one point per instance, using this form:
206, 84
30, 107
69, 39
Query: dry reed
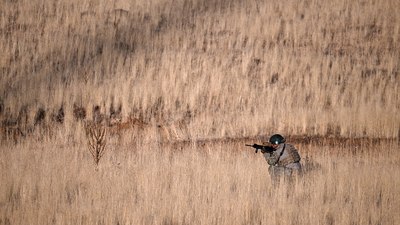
169, 77
200, 184
226, 68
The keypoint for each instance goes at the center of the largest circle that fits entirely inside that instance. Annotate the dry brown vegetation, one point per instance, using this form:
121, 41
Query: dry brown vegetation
208, 183
215, 68
178, 87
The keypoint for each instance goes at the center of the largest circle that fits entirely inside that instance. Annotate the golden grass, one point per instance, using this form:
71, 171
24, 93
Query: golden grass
226, 68
179, 76
44, 183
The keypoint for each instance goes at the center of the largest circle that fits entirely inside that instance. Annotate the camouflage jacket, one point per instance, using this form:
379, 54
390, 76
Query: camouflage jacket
284, 155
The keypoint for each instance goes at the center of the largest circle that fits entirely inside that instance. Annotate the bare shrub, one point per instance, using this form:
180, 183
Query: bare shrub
59, 115
79, 112
40, 116
96, 139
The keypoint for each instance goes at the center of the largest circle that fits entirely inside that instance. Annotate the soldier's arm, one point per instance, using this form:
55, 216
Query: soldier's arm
273, 157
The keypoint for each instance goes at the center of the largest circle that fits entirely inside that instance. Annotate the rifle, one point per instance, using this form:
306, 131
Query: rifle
263, 148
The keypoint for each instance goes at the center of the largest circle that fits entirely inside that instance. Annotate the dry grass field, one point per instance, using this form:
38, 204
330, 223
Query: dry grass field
204, 69
179, 86
208, 183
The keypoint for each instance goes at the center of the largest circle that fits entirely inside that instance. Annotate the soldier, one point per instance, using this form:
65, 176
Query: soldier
284, 161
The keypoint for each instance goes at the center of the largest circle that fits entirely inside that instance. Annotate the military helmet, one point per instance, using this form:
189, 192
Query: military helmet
276, 139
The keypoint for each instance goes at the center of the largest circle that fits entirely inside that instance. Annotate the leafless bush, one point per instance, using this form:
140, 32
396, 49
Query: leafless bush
79, 112
96, 138
59, 116
40, 116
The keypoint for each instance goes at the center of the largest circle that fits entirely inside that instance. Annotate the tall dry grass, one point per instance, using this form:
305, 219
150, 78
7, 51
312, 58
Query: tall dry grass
179, 74
209, 183
225, 68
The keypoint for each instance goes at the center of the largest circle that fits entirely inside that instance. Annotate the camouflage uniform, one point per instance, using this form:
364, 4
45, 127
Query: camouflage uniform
284, 162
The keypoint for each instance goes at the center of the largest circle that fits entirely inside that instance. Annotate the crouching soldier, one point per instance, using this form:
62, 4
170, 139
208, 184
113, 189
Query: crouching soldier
284, 161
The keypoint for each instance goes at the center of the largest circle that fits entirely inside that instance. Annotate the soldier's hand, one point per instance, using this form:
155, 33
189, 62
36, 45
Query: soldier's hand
267, 149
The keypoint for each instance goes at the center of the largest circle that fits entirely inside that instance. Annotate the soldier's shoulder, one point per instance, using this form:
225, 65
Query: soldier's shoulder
290, 146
